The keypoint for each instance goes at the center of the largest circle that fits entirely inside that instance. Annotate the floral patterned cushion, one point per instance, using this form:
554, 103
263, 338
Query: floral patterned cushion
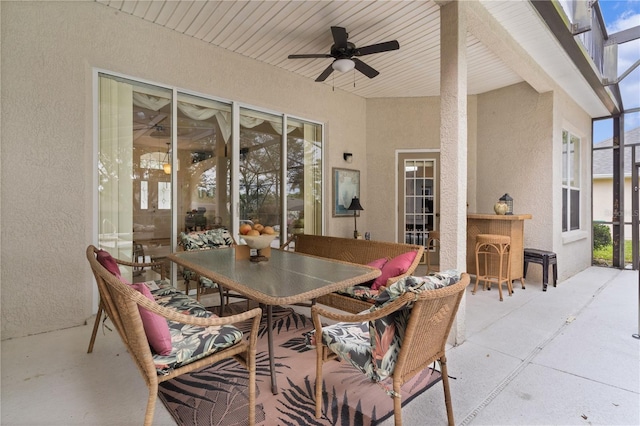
192, 342
189, 342
350, 341
213, 238
373, 347
386, 333
173, 299
361, 292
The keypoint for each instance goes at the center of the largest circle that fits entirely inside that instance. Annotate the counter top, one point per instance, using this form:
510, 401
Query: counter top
487, 216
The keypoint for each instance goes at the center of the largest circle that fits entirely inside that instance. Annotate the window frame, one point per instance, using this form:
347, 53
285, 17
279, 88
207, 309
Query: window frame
571, 181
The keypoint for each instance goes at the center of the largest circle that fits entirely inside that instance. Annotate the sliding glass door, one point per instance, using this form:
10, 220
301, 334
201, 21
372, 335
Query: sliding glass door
134, 189
165, 166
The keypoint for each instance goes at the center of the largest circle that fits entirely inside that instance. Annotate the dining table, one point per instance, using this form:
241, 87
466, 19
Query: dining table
286, 278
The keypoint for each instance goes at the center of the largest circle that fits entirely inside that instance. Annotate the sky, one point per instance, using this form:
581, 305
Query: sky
618, 16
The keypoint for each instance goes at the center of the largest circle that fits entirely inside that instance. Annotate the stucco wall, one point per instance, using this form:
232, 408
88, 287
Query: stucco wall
514, 155
519, 152
404, 124
49, 52
575, 248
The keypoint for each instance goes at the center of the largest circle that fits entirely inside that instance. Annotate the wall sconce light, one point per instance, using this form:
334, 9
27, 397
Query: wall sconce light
348, 157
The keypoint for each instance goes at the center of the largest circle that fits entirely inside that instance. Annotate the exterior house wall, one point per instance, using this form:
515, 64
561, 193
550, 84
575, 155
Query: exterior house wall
49, 53
515, 147
520, 153
574, 249
405, 124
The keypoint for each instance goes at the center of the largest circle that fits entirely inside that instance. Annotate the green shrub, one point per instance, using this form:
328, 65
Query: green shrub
601, 236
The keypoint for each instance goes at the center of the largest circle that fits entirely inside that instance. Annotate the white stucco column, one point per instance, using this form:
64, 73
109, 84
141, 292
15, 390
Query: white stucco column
453, 147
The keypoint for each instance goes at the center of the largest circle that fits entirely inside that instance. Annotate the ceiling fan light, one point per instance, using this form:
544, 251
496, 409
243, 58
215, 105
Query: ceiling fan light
343, 65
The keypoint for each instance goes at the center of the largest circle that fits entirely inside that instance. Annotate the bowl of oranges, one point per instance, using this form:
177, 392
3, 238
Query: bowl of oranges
257, 236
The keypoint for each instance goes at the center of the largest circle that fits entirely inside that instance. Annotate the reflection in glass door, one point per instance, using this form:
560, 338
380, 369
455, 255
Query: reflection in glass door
260, 168
203, 164
134, 188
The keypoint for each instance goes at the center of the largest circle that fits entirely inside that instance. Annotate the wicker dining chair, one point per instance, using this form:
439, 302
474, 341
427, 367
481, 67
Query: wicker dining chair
102, 314
211, 339
417, 313
205, 240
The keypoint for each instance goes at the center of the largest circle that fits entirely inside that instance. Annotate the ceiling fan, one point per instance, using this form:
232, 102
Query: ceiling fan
344, 51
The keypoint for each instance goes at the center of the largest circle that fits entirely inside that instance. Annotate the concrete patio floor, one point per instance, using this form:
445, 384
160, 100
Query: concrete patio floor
561, 357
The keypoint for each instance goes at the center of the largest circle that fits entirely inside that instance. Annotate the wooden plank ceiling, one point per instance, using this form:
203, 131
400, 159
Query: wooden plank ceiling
268, 31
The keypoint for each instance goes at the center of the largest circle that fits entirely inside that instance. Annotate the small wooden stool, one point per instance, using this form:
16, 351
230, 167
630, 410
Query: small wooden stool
544, 258
495, 251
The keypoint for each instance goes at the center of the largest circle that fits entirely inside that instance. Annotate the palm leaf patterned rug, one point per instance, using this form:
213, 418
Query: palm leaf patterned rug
216, 395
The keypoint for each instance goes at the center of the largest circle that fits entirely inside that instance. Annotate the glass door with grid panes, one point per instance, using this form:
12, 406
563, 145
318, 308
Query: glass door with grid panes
419, 206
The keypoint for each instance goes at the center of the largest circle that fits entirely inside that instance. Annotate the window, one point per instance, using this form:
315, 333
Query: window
570, 181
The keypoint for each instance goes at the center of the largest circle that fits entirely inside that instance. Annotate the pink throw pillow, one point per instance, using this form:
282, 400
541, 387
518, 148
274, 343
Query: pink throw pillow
108, 262
396, 266
378, 263
155, 326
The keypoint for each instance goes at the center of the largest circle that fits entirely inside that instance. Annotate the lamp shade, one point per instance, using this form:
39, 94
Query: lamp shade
343, 65
355, 204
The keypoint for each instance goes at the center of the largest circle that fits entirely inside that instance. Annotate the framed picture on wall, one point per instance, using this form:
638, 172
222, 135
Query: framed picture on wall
346, 185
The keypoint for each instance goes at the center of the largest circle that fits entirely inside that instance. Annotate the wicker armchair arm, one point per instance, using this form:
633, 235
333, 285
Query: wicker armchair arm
317, 311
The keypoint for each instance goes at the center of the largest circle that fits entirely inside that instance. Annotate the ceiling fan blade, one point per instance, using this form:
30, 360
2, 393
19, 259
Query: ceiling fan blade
326, 73
364, 68
340, 37
310, 55
377, 48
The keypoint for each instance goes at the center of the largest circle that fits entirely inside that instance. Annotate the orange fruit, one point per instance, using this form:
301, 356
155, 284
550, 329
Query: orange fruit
258, 227
245, 228
253, 232
268, 230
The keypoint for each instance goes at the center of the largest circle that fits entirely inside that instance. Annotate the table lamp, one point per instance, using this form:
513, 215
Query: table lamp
355, 206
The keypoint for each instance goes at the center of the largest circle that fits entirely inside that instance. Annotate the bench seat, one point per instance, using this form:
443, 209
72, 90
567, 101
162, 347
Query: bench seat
358, 298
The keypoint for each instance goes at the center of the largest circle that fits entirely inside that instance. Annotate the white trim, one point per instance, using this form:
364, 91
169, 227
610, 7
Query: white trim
284, 195
95, 296
573, 236
173, 239
235, 167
